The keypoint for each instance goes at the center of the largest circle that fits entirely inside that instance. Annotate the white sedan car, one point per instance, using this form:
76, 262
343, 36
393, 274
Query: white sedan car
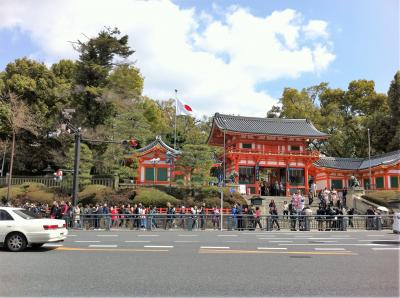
20, 228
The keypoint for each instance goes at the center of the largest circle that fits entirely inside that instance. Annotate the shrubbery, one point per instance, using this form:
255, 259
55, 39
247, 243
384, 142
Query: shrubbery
154, 197
94, 193
31, 192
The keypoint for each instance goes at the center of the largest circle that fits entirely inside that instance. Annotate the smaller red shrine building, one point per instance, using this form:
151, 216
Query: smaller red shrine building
156, 163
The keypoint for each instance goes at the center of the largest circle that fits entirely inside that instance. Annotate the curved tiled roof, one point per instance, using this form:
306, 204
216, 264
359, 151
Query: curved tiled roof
339, 163
384, 159
158, 141
358, 163
270, 126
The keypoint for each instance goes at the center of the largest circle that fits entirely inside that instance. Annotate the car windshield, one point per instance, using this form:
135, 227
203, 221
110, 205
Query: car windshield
25, 214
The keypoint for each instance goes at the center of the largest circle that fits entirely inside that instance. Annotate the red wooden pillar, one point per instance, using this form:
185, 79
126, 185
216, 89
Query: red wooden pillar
385, 181
306, 177
287, 161
139, 171
237, 169
328, 180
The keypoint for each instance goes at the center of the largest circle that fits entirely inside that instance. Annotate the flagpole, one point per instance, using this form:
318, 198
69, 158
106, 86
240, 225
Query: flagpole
176, 99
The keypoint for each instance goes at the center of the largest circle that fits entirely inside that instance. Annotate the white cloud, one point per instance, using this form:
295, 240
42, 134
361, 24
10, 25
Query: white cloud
315, 29
215, 68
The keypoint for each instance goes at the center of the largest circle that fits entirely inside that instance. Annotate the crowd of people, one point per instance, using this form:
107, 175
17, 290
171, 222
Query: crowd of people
272, 189
331, 214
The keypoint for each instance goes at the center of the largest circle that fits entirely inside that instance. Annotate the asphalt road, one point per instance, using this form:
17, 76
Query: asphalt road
207, 263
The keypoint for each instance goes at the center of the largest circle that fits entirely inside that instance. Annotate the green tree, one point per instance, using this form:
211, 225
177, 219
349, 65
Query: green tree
394, 104
298, 105
85, 165
195, 162
34, 83
126, 81
15, 116
96, 58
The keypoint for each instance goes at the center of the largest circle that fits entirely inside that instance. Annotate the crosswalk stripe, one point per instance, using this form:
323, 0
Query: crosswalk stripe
107, 235
347, 244
280, 241
272, 248
103, 245
386, 248
137, 241
214, 247
328, 248
148, 235
158, 246
52, 245
227, 235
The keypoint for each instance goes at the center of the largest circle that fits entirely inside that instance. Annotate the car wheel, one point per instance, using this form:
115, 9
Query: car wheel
16, 242
36, 245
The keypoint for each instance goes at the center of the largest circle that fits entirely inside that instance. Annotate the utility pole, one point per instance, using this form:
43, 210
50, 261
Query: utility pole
223, 184
176, 103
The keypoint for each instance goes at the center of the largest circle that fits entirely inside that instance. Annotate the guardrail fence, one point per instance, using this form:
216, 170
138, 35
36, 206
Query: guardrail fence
212, 221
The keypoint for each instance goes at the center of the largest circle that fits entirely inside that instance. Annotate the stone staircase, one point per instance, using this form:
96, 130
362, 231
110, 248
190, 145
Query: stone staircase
279, 201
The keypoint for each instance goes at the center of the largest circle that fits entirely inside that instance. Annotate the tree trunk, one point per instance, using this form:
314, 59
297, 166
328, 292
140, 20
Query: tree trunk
11, 166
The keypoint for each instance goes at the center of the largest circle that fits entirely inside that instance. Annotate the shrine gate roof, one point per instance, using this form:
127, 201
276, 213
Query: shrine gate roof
267, 126
358, 163
158, 142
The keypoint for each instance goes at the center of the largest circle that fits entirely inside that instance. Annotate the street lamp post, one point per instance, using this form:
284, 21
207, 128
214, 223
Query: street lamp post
66, 114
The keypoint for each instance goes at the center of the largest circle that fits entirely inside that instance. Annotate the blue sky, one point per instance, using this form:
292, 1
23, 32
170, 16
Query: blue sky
360, 41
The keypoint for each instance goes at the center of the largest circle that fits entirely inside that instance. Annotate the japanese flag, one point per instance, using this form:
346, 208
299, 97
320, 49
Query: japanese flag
183, 109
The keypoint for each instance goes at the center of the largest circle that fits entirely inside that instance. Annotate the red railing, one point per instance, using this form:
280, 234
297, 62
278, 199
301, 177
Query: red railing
313, 153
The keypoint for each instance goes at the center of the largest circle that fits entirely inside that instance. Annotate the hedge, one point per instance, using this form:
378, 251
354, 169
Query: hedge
155, 197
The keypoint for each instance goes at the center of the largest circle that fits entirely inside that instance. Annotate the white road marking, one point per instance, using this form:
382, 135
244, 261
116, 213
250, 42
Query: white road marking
215, 247
188, 235
341, 244
304, 238
52, 245
69, 235
327, 248
385, 248
86, 241
370, 240
279, 248
227, 235
186, 241
326, 241
330, 238
148, 235
377, 235
280, 241
137, 241
107, 235
264, 234
103, 245
158, 246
